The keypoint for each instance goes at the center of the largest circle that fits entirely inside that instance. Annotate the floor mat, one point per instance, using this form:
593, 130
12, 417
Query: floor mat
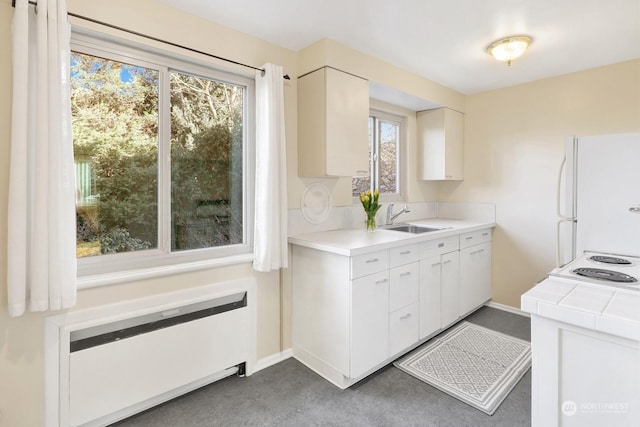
474, 364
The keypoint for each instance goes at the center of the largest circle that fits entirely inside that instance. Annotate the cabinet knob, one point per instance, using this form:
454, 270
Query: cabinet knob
378, 282
406, 316
405, 252
372, 260
406, 273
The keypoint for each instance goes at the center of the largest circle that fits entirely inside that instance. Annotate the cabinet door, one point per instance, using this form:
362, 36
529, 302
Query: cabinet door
333, 117
441, 141
430, 296
369, 322
404, 329
450, 288
404, 287
347, 113
475, 277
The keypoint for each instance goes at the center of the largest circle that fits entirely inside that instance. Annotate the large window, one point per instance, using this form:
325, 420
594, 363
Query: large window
384, 157
162, 154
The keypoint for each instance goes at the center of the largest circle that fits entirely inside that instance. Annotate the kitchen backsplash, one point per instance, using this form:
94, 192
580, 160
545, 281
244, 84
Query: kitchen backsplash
346, 217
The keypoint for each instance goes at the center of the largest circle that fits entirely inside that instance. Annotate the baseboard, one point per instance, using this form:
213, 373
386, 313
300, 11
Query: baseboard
508, 308
265, 362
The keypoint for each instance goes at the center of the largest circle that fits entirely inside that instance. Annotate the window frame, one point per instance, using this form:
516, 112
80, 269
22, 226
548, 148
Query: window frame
116, 268
374, 175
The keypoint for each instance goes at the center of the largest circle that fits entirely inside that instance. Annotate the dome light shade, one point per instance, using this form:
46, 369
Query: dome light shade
509, 48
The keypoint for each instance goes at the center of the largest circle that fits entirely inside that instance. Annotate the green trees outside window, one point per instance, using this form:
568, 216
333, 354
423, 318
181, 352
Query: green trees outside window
118, 111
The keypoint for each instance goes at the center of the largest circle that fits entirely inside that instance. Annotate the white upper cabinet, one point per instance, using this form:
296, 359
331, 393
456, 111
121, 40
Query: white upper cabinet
441, 142
333, 115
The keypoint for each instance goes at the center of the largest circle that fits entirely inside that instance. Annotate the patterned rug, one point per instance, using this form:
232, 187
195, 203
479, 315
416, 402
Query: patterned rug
473, 364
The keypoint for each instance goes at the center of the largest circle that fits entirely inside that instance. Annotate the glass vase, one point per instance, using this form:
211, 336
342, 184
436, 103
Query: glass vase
371, 222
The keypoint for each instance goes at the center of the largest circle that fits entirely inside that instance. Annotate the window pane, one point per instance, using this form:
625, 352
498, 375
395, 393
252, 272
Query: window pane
360, 184
115, 138
206, 162
388, 157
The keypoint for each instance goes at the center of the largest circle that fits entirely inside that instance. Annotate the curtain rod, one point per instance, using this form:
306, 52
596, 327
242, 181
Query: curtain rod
34, 3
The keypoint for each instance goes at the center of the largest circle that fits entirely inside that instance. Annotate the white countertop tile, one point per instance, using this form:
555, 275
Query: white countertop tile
624, 306
589, 299
603, 308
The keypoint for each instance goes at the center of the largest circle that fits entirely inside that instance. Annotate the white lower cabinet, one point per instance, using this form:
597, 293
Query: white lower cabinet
475, 276
369, 322
475, 270
581, 377
439, 285
450, 285
352, 315
404, 309
430, 295
403, 329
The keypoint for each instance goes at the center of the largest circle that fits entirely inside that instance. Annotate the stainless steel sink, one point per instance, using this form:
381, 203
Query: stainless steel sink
409, 228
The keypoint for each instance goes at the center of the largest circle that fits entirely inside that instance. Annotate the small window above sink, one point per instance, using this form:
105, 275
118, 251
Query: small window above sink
410, 228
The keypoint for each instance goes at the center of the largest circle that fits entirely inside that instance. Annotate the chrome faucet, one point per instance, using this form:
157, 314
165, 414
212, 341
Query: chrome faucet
391, 216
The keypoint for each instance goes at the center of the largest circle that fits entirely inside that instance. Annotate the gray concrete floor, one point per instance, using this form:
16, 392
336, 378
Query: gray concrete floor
290, 394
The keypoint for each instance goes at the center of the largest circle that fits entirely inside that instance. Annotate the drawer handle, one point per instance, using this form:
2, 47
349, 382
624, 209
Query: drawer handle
406, 316
406, 273
372, 260
447, 261
441, 245
473, 252
468, 238
485, 234
480, 250
405, 252
436, 264
378, 282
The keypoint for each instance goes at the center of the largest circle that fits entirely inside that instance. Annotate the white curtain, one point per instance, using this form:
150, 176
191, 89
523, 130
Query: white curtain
270, 232
41, 265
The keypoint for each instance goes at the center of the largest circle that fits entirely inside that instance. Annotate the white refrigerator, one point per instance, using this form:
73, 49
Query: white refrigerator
599, 196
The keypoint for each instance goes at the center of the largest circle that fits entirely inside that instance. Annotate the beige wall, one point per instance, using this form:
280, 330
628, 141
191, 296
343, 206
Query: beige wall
514, 145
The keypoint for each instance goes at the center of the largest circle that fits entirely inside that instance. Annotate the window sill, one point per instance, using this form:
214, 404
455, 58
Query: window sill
87, 282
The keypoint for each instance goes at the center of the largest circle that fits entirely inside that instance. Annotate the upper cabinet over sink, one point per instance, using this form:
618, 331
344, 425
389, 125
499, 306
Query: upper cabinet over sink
333, 114
441, 141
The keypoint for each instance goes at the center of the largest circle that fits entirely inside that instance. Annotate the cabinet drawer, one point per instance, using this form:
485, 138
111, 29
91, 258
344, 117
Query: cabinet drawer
475, 238
439, 246
403, 255
370, 263
404, 288
403, 328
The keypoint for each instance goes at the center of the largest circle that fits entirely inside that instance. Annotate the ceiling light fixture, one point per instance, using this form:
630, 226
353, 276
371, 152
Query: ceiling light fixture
509, 48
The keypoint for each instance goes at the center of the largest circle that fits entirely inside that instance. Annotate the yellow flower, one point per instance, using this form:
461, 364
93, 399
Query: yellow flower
368, 192
376, 193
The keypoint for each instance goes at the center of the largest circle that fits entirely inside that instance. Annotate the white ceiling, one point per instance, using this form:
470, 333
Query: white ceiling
445, 40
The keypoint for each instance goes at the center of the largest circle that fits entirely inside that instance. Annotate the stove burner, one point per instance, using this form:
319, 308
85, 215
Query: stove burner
608, 275
609, 260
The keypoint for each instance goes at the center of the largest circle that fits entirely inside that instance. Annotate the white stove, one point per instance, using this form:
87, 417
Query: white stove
621, 271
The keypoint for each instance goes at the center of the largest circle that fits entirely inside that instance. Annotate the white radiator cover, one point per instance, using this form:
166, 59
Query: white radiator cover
108, 382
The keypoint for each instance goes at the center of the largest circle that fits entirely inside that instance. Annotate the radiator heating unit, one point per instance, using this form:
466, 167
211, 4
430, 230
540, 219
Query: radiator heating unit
105, 364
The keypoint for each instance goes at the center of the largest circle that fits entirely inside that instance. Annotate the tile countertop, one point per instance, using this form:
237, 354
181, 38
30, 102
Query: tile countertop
359, 241
597, 307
